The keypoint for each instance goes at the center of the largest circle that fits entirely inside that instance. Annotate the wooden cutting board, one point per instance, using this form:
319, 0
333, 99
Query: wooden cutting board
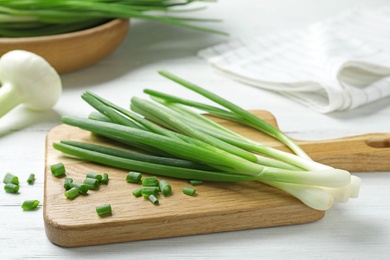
217, 207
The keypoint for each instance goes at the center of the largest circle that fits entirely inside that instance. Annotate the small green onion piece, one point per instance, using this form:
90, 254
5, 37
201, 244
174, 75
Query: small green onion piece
91, 183
196, 182
58, 169
165, 188
71, 193
189, 191
31, 179
67, 183
134, 177
150, 182
30, 205
104, 178
153, 199
95, 176
10, 178
147, 191
11, 188
81, 187
138, 192
104, 209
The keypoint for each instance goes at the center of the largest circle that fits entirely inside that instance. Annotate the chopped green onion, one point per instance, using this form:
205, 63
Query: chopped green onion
58, 169
104, 178
96, 176
189, 191
147, 191
72, 193
29, 205
196, 182
68, 183
150, 181
81, 187
91, 183
104, 210
138, 192
10, 178
153, 199
165, 188
11, 188
31, 179
133, 177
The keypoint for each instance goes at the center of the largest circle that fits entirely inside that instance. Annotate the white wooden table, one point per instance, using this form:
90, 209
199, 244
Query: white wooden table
359, 229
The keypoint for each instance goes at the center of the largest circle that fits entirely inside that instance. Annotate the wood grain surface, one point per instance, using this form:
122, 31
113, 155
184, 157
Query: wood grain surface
217, 207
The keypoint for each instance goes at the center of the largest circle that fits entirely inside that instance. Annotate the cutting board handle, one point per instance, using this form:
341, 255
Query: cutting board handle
378, 141
361, 153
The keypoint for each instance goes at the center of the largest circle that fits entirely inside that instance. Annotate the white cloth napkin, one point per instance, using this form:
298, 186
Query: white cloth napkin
334, 65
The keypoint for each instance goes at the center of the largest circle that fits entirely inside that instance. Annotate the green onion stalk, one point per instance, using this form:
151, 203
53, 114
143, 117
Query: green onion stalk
27, 18
164, 136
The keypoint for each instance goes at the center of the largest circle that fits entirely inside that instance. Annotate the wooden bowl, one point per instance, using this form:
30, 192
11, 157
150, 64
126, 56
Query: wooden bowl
72, 51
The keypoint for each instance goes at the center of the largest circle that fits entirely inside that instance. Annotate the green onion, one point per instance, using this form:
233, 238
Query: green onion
58, 169
203, 123
10, 178
189, 191
96, 176
11, 188
104, 210
81, 187
138, 192
279, 158
127, 117
196, 148
135, 155
149, 190
91, 183
313, 196
72, 193
199, 151
105, 178
150, 181
153, 199
163, 116
29, 205
133, 177
67, 183
163, 170
42, 17
354, 186
165, 188
31, 179
210, 133
196, 182
246, 116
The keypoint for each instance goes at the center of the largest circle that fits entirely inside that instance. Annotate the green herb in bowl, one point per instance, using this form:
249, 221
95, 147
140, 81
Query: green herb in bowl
28, 18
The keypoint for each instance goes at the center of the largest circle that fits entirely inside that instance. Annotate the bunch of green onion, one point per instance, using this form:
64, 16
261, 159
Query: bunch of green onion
26, 18
176, 141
